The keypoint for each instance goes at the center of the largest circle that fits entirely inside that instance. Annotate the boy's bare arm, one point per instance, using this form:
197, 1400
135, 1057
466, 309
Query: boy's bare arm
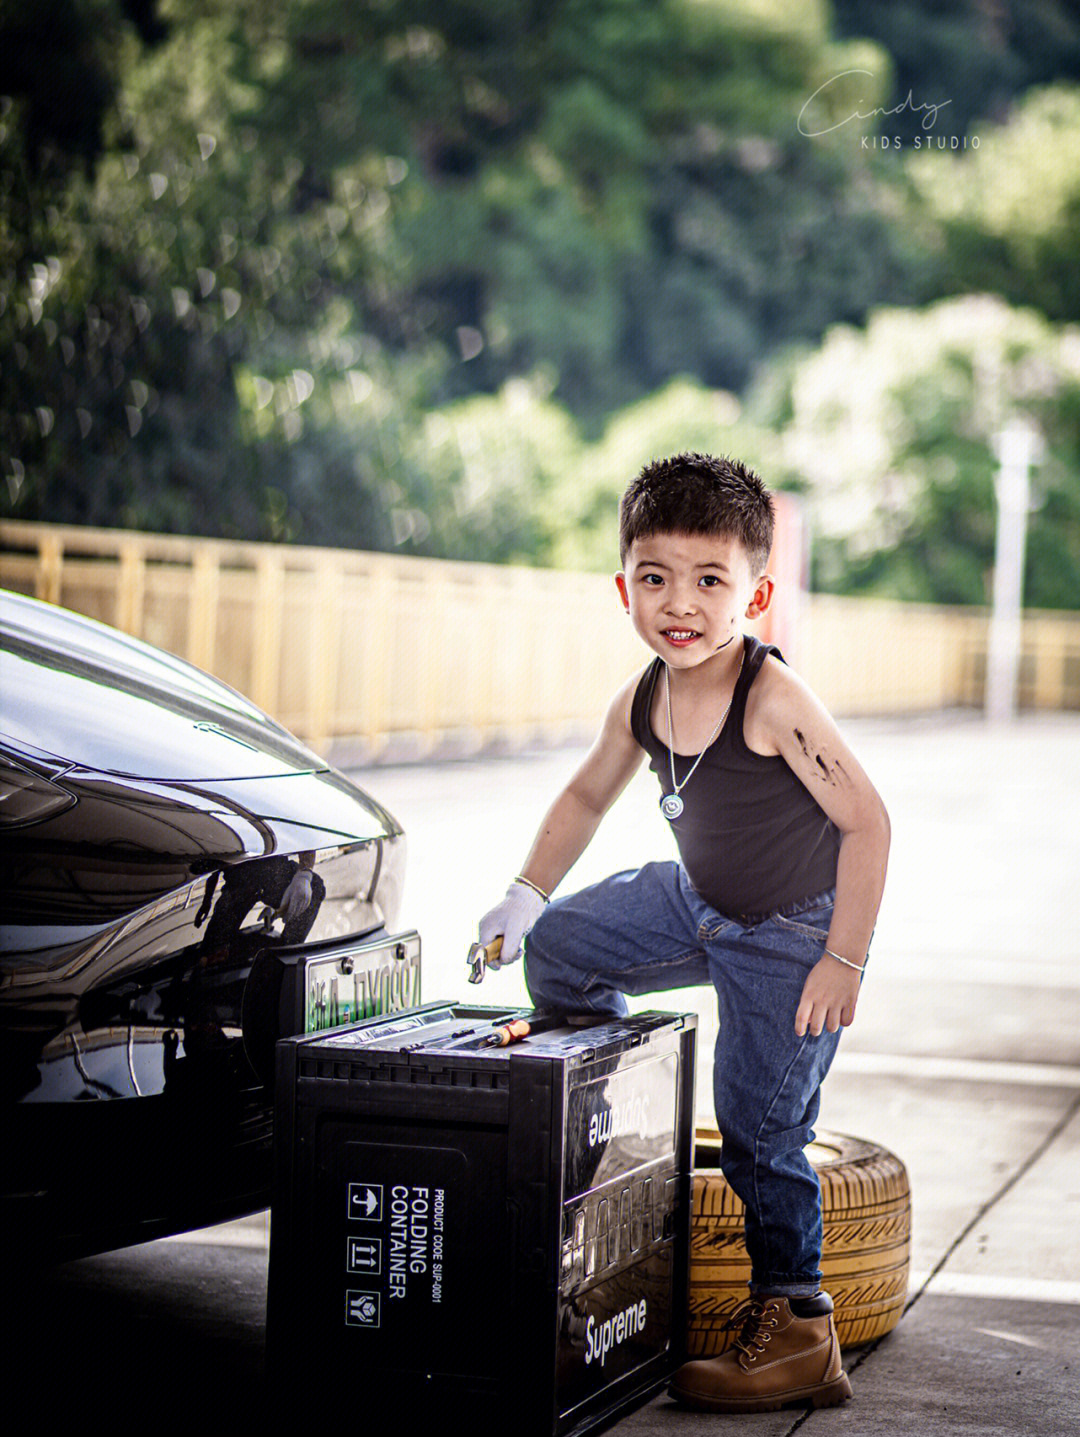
575, 815
788, 719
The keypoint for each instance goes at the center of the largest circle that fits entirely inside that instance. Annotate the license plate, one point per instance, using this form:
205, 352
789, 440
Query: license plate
361, 980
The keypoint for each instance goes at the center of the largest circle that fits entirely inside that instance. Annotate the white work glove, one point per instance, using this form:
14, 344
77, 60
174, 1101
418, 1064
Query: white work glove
513, 918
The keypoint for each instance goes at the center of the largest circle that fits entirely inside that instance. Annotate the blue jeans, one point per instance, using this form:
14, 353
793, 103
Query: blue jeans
646, 930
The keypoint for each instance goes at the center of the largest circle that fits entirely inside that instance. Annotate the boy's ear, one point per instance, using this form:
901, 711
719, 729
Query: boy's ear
763, 592
624, 593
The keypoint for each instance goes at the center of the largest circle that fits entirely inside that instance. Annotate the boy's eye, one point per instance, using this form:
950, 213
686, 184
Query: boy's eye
708, 581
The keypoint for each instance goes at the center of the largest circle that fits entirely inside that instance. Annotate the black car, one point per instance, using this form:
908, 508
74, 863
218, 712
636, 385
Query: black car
181, 883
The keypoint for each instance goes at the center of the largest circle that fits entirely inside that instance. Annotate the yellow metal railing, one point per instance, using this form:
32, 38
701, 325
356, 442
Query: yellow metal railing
346, 646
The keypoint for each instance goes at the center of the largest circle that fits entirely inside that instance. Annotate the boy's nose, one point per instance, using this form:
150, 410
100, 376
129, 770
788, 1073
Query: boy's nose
679, 602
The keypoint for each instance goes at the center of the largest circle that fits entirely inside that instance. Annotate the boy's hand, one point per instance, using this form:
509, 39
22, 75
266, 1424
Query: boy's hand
828, 998
513, 918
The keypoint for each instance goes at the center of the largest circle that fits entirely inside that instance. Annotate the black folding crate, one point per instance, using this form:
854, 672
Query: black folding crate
497, 1235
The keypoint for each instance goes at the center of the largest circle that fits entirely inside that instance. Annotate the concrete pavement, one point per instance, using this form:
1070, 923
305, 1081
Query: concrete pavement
964, 1059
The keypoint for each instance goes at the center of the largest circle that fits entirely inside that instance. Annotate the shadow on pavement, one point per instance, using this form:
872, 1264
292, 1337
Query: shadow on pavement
167, 1337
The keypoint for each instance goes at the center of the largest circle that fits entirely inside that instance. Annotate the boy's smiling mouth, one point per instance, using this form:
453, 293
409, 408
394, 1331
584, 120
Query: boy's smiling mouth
680, 636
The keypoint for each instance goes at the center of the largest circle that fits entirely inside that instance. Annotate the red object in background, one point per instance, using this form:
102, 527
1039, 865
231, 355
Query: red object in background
789, 567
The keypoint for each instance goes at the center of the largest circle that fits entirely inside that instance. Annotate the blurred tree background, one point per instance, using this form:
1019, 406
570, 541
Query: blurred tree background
440, 275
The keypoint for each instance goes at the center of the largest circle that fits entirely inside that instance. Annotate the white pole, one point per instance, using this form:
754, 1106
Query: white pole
1017, 448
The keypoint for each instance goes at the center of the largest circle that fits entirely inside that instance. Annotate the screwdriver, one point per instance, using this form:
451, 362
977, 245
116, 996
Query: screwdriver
520, 1028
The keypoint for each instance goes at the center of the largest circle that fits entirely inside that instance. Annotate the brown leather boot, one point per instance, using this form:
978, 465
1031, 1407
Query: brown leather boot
777, 1359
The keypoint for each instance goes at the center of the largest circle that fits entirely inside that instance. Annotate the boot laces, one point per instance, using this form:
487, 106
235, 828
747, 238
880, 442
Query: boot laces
753, 1321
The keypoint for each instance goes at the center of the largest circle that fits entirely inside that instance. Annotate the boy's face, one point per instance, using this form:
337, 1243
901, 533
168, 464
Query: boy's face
688, 594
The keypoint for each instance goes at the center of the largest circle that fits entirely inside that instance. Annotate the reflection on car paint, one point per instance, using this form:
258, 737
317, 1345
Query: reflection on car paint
164, 836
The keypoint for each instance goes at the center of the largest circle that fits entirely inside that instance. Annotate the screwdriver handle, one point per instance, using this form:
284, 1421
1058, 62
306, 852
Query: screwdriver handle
508, 1033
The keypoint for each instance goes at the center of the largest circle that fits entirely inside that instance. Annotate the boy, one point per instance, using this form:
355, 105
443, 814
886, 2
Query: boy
783, 844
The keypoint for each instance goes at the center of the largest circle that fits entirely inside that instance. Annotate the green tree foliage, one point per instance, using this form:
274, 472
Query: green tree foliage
893, 430
279, 234
439, 274
1010, 210
972, 57
682, 416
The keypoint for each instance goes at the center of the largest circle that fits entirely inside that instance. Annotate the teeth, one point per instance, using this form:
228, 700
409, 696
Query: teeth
681, 633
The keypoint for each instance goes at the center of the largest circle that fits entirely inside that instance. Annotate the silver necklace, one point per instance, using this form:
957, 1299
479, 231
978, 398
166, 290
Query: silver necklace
671, 805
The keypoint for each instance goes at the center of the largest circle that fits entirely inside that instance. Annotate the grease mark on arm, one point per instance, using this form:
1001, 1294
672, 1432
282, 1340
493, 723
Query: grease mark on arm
836, 775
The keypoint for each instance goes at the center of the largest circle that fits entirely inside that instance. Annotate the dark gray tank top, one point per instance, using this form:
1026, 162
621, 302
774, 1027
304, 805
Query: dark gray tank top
751, 837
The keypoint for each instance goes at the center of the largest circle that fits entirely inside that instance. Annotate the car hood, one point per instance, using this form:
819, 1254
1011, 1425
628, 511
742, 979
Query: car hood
87, 694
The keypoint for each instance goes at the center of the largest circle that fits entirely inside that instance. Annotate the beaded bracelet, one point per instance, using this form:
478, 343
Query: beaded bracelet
859, 967
535, 887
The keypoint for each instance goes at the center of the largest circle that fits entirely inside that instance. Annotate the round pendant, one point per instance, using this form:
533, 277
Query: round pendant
671, 805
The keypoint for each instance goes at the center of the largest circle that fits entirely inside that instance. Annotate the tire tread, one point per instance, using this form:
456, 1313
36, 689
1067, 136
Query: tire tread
866, 1207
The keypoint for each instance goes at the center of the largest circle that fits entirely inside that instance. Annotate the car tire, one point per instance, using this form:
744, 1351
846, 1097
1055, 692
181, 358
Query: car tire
866, 1206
